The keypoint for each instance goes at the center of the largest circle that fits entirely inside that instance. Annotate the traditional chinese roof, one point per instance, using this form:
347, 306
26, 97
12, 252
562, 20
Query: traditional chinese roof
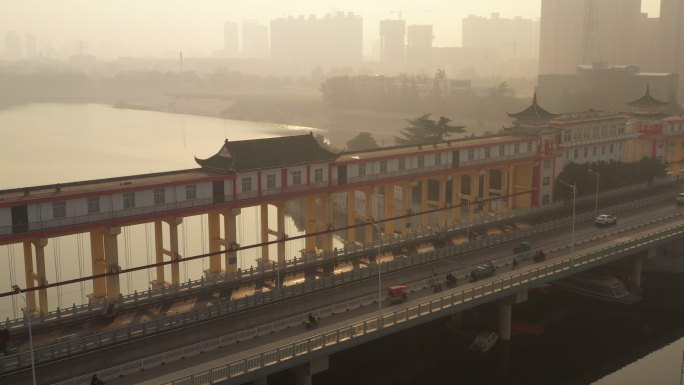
533, 112
257, 154
647, 101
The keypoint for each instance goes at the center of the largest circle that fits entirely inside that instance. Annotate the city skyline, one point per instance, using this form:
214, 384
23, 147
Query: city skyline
182, 25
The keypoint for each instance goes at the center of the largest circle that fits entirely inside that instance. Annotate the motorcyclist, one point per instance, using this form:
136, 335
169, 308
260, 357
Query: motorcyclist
312, 320
95, 380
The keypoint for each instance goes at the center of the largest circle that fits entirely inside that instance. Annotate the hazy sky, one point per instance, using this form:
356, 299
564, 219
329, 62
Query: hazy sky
148, 27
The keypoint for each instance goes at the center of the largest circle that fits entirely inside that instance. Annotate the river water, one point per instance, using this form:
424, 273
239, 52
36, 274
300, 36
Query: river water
51, 143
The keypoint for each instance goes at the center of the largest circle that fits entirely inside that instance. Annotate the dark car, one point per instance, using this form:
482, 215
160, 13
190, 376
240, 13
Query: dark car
522, 247
481, 272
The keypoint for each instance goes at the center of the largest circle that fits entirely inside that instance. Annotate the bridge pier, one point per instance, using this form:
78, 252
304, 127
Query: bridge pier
230, 238
389, 210
160, 252
351, 216
34, 277
407, 202
326, 222
506, 312
281, 231
263, 211
369, 214
305, 372
456, 198
310, 223
111, 248
214, 233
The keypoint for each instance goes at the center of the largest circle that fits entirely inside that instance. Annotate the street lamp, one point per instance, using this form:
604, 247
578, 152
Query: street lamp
468, 209
574, 195
17, 290
377, 261
597, 185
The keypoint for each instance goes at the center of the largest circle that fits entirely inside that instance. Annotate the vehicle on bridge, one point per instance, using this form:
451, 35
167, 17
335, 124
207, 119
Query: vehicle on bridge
605, 220
680, 198
483, 271
539, 256
522, 247
397, 294
311, 321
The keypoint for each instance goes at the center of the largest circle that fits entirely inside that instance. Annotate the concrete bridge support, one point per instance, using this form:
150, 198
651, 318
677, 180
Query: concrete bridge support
281, 231
369, 214
230, 238
424, 204
310, 223
214, 233
407, 202
389, 210
172, 252
104, 251
506, 312
456, 198
35, 275
111, 248
260, 381
351, 216
326, 223
306, 371
263, 213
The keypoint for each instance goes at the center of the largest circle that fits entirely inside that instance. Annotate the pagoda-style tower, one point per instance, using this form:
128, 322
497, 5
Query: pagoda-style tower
532, 116
647, 107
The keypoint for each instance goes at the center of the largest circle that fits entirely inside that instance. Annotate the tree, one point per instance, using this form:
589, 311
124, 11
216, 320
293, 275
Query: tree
362, 141
425, 130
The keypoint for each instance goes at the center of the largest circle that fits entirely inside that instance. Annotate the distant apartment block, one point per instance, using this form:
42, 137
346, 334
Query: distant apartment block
392, 40
515, 38
419, 43
254, 40
334, 38
230, 39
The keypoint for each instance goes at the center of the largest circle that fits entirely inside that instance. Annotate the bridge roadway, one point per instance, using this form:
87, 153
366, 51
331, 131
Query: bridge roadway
99, 360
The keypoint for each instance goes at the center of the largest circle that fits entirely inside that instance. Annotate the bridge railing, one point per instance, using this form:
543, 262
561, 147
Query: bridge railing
448, 303
167, 322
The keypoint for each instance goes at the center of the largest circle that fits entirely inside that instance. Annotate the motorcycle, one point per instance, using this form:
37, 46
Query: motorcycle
311, 322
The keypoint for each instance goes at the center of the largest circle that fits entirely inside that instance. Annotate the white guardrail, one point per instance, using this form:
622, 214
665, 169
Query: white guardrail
95, 341
447, 303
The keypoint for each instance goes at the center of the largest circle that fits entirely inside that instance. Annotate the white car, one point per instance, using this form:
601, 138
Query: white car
605, 220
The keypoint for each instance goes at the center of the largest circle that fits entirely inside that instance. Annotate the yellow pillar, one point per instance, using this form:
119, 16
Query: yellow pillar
503, 207
442, 202
511, 187
230, 238
351, 216
389, 210
456, 197
369, 214
112, 257
41, 277
99, 264
485, 195
214, 230
174, 254
30, 276
474, 193
281, 231
263, 210
424, 202
327, 223
407, 200
310, 223
159, 251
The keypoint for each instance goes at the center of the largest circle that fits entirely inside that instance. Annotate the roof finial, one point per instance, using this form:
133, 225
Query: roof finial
648, 89
534, 99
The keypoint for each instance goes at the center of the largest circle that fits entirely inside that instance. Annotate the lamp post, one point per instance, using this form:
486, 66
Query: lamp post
574, 195
468, 209
597, 186
377, 261
17, 290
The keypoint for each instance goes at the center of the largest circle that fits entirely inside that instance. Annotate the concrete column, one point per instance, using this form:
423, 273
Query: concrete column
456, 197
41, 277
111, 248
260, 381
327, 223
442, 202
174, 254
351, 216
159, 251
230, 238
281, 231
424, 202
263, 210
310, 223
389, 210
636, 270
214, 233
30, 276
511, 186
407, 198
99, 264
487, 186
474, 192
306, 371
505, 313
369, 214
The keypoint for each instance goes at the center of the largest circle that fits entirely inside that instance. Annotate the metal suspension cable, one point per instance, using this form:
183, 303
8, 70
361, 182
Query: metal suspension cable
58, 269
203, 256
79, 253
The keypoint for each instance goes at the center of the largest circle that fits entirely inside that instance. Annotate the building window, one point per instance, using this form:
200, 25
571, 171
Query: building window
586, 152
501, 150
546, 181
362, 169
247, 184
586, 133
93, 205
159, 197
516, 148
593, 151
59, 210
471, 154
547, 163
487, 152
621, 129
402, 164
545, 199
603, 149
575, 154
613, 130
611, 148
567, 136
296, 178
604, 131
529, 146
438, 159
383, 166
596, 132
129, 200
421, 161
577, 133
270, 181
318, 175
191, 192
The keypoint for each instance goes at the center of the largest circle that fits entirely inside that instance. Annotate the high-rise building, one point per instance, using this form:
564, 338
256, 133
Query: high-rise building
230, 39
561, 36
254, 40
30, 45
516, 38
419, 43
12, 46
392, 40
332, 39
672, 35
